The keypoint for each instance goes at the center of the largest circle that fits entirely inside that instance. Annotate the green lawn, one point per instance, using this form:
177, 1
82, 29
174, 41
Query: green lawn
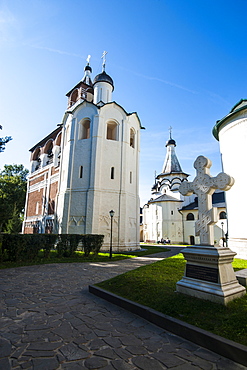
79, 257
154, 286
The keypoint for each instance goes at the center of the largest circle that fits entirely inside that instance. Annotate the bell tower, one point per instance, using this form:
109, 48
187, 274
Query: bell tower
99, 165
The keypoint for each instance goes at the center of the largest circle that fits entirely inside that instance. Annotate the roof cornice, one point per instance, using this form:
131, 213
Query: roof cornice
233, 111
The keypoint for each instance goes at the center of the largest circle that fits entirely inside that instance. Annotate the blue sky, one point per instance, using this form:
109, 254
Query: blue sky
176, 63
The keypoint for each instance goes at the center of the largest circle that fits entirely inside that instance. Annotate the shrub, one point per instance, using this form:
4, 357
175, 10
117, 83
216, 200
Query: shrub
62, 245
14, 246
67, 244
49, 243
19, 247
1, 248
92, 243
74, 240
22, 247
32, 243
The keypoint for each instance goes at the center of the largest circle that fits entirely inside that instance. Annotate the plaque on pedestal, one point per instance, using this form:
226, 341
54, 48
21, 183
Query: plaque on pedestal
209, 273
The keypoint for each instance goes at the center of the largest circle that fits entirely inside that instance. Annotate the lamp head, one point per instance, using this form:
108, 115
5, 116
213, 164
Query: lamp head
112, 213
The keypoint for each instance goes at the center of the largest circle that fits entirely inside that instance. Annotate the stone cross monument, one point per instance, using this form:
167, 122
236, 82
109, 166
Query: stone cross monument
209, 273
204, 186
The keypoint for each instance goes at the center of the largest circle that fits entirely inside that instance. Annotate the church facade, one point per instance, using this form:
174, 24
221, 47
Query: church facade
88, 166
170, 216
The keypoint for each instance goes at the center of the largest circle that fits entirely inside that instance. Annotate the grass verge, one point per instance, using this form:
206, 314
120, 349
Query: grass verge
80, 258
154, 286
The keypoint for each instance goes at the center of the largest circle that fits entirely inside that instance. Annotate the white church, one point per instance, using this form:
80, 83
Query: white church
89, 165
86, 167
168, 215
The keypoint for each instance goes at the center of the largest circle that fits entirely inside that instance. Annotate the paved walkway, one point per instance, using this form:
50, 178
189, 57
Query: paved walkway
49, 320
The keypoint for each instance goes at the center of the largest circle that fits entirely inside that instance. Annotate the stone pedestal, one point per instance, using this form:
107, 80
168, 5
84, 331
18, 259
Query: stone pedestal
209, 274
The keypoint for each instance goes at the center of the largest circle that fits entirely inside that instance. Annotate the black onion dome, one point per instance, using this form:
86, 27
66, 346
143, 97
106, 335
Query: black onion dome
88, 68
155, 187
171, 142
103, 77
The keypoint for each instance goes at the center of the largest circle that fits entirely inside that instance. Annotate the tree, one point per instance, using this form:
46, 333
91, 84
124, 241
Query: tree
4, 141
13, 180
14, 223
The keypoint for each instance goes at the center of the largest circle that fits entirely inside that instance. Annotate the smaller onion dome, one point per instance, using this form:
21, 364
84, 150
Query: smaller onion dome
88, 68
87, 75
171, 142
155, 187
103, 77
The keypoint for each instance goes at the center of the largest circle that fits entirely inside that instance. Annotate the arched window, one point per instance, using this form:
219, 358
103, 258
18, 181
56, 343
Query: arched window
84, 129
58, 139
49, 152
57, 150
51, 207
190, 217
112, 131
74, 97
222, 215
36, 157
37, 208
132, 138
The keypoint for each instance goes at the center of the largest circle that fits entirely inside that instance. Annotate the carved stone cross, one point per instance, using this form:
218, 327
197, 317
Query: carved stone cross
204, 186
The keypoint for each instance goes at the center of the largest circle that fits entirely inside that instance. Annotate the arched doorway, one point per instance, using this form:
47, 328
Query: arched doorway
192, 239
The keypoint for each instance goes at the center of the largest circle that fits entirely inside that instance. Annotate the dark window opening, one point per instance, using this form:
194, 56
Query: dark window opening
112, 173
111, 131
132, 138
222, 215
190, 217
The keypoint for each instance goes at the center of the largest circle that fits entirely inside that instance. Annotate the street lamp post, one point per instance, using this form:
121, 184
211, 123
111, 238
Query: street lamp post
223, 236
111, 215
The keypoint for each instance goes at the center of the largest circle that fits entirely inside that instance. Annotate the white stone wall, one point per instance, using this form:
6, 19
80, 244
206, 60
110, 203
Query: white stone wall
84, 203
162, 220
102, 92
233, 139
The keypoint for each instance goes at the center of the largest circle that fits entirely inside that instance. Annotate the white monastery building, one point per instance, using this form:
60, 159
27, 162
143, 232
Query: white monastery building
231, 131
170, 215
86, 167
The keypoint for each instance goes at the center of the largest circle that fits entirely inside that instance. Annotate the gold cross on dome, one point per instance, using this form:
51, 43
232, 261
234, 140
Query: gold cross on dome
104, 59
170, 129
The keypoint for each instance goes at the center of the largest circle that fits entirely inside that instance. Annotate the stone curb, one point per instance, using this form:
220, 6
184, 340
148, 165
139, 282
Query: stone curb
224, 347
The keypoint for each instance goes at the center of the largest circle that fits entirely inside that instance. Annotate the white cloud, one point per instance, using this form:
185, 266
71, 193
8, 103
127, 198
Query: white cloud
160, 80
57, 51
9, 26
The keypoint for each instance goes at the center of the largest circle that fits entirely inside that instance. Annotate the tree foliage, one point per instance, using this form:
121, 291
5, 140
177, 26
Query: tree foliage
13, 179
4, 141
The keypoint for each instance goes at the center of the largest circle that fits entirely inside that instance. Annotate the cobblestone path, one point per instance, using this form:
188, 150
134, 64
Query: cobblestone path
49, 321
